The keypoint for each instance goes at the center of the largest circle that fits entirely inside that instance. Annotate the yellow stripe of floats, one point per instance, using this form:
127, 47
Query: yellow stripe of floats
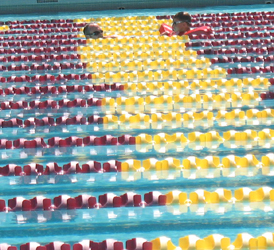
136, 55
147, 64
185, 86
196, 140
216, 241
174, 119
193, 100
4, 27
155, 46
142, 40
220, 195
158, 75
209, 162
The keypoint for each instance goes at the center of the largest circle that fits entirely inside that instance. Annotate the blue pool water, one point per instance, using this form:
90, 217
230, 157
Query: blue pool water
123, 223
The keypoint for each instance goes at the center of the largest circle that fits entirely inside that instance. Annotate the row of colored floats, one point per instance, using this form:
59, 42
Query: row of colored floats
252, 51
197, 85
137, 40
158, 75
148, 64
61, 78
39, 58
236, 43
71, 141
43, 90
154, 45
170, 120
210, 242
42, 43
220, 116
150, 164
44, 67
37, 51
201, 101
231, 138
131, 199
123, 76
144, 55
155, 88
127, 121
251, 136
243, 59
231, 162
38, 37
143, 104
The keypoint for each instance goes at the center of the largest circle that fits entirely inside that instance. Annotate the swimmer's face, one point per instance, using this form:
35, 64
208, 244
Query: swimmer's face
179, 26
94, 32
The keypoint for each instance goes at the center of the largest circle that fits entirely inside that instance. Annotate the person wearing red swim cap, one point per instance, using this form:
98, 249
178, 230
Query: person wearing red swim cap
182, 26
93, 31
181, 23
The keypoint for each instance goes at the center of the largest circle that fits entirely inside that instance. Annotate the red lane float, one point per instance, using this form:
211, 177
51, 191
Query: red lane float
45, 58
237, 43
57, 245
232, 35
242, 59
46, 25
50, 121
42, 43
11, 170
50, 32
51, 104
52, 168
31, 246
110, 200
61, 89
108, 244
244, 51
20, 29
138, 244
39, 37
44, 38
38, 51
267, 95
71, 141
46, 78
155, 198
33, 169
38, 21
131, 199
251, 70
83, 201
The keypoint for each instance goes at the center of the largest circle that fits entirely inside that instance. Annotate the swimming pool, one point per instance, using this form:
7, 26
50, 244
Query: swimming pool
159, 143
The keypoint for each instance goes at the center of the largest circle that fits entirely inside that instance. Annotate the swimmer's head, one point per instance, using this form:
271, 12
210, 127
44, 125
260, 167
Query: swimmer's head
93, 31
181, 22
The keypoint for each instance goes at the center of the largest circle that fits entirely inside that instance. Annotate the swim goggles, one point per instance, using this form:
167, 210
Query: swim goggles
95, 33
184, 21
